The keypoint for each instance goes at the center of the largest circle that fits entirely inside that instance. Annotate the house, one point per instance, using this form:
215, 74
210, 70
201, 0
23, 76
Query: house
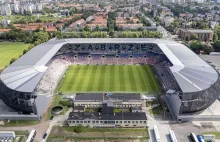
166, 21
130, 26
4, 31
93, 26
186, 16
78, 24
166, 13
51, 29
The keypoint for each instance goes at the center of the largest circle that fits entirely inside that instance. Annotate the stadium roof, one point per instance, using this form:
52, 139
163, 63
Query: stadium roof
191, 72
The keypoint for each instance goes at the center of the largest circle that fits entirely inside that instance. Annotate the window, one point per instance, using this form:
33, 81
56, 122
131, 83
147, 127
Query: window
88, 121
93, 121
125, 121
97, 121
136, 121
133, 121
145, 122
101, 121
81, 121
116, 121
140, 121
85, 121
77, 121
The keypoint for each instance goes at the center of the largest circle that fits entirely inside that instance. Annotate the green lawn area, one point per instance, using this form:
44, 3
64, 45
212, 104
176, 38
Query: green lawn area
87, 129
14, 123
9, 50
109, 78
66, 133
30, 19
217, 134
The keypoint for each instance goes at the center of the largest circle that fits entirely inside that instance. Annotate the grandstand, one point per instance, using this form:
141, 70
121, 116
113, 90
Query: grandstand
189, 83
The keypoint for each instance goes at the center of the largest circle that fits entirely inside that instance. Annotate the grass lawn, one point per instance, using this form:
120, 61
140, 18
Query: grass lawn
14, 123
9, 50
59, 133
87, 129
109, 78
158, 110
217, 134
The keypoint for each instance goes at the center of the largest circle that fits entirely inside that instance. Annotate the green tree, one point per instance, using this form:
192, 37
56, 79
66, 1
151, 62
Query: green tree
87, 28
216, 46
96, 28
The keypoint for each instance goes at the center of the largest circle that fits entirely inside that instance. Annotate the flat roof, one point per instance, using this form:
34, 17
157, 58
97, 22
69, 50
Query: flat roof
191, 72
107, 116
106, 97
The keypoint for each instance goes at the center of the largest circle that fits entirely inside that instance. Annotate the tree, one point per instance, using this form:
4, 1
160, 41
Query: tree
111, 33
194, 37
96, 28
65, 103
216, 46
87, 28
196, 46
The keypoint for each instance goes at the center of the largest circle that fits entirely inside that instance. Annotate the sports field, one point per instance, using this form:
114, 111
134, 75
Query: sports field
9, 50
109, 78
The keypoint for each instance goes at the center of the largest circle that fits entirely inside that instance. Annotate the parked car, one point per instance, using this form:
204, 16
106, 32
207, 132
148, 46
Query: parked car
45, 135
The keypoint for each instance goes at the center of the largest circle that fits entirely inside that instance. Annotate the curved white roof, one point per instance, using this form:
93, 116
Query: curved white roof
191, 72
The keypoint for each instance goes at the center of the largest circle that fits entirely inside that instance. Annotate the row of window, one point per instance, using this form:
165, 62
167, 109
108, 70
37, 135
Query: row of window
135, 105
108, 122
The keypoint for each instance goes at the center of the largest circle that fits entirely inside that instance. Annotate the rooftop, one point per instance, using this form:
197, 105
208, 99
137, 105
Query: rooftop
103, 96
106, 116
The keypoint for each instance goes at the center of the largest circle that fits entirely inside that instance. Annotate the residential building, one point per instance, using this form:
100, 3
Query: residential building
15, 8
2, 31
130, 26
5, 23
5, 10
79, 24
166, 21
166, 13
203, 35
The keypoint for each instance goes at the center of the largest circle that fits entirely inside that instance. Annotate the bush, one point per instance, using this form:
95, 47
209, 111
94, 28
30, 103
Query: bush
65, 103
78, 129
12, 60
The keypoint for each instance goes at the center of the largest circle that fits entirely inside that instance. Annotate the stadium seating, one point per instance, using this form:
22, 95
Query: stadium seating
66, 56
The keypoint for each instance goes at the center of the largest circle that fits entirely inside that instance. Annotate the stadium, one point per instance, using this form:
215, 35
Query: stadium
149, 66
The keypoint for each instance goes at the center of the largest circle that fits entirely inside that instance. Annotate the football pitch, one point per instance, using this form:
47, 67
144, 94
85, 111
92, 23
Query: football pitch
109, 78
9, 50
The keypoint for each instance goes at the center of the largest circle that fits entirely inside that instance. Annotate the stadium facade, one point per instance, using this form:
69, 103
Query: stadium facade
190, 84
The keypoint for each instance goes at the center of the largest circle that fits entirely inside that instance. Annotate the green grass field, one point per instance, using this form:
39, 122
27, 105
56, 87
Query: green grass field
9, 50
109, 78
